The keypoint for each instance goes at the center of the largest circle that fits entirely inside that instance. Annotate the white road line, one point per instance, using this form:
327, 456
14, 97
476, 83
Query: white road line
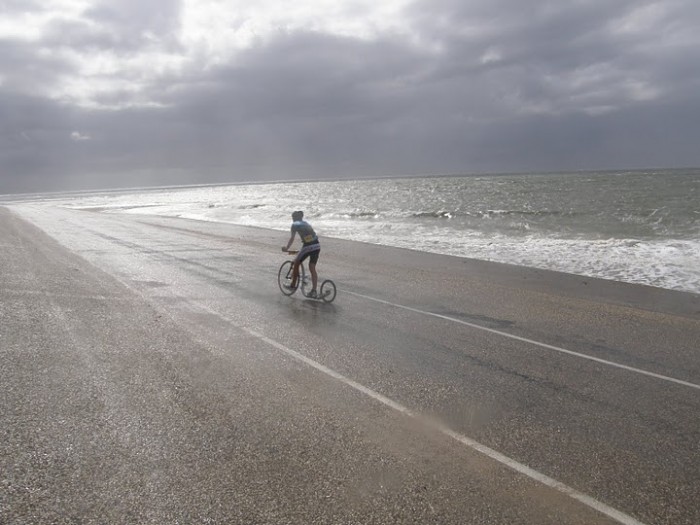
615, 514
530, 341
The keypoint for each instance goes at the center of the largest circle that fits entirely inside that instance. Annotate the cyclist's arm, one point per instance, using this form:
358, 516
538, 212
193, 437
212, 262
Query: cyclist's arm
291, 240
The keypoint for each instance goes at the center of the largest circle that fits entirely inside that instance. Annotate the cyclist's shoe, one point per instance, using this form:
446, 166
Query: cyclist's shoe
313, 294
288, 286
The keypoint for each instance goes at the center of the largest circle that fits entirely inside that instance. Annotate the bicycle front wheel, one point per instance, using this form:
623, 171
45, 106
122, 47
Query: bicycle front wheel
284, 278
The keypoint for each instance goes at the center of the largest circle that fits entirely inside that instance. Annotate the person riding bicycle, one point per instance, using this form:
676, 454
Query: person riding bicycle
311, 248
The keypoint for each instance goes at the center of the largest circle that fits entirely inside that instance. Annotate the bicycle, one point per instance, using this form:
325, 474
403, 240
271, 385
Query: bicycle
327, 289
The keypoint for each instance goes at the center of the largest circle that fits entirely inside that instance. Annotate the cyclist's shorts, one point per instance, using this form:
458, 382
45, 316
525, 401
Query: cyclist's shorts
311, 251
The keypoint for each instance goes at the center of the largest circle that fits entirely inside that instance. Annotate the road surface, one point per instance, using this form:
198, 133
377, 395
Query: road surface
152, 372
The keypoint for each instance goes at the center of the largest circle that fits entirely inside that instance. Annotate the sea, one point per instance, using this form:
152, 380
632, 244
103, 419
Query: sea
640, 226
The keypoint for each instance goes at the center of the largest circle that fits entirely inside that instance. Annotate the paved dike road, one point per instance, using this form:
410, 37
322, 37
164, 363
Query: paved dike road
152, 373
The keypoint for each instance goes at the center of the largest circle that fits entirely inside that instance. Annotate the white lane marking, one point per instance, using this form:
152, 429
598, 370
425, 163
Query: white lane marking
615, 514
531, 341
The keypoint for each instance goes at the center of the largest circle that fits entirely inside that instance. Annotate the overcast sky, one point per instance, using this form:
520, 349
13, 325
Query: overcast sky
114, 93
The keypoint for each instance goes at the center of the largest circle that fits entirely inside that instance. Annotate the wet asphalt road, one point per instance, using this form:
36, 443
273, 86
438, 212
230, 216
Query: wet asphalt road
153, 373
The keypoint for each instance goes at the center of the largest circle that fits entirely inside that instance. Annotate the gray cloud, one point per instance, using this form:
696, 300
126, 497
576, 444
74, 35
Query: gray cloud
131, 24
476, 86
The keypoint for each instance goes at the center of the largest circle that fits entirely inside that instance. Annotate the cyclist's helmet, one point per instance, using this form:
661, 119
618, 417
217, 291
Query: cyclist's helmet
297, 215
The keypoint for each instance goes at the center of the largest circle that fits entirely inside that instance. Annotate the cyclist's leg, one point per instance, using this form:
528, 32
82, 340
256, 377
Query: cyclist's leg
314, 275
295, 270
295, 273
313, 259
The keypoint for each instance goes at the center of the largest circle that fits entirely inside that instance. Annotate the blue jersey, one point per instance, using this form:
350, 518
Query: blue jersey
306, 232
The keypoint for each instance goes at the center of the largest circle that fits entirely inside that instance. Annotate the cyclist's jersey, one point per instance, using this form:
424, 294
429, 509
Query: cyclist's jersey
306, 232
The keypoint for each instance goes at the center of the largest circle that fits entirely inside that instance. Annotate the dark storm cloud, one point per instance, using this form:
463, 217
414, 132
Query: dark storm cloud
313, 104
559, 95
537, 48
477, 86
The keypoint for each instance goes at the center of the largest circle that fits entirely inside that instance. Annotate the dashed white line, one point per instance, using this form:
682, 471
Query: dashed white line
530, 341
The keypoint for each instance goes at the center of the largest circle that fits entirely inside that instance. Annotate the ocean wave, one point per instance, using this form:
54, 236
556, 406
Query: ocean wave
488, 214
351, 215
525, 213
434, 214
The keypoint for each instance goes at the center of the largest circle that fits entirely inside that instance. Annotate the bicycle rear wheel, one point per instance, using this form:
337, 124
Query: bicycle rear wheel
327, 291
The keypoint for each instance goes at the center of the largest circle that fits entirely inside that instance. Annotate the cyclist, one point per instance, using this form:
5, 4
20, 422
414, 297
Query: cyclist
311, 248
